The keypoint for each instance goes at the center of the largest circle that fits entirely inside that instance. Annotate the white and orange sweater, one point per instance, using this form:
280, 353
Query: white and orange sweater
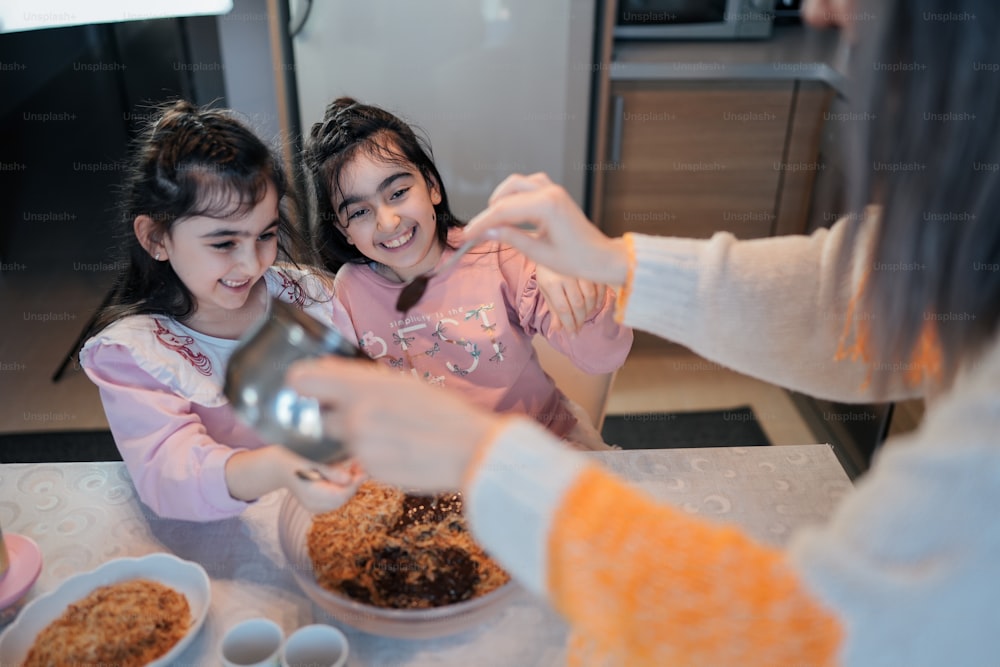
907, 571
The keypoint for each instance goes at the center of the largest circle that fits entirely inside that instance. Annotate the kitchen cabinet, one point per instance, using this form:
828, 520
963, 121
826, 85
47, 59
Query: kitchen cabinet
691, 158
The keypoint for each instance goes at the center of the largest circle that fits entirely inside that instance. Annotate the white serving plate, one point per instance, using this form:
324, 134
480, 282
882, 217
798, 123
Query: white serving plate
187, 578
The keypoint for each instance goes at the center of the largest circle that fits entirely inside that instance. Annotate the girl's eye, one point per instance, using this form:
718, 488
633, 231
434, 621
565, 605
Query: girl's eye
399, 193
225, 245
357, 214
267, 236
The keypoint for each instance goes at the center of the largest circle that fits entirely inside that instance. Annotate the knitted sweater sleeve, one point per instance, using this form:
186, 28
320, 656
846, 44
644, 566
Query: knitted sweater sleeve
645, 583
776, 309
904, 573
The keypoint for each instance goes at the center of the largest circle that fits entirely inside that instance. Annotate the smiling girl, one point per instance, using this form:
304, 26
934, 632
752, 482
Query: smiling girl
205, 225
384, 218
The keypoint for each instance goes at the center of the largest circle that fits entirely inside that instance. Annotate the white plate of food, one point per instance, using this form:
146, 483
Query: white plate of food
117, 598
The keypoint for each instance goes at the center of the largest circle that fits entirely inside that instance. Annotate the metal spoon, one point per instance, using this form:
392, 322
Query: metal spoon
414, 290
311, 475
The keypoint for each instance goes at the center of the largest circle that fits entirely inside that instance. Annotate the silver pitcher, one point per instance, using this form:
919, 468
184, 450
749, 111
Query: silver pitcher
255, 380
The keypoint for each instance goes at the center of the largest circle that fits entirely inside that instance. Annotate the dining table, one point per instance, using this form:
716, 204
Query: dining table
84, 514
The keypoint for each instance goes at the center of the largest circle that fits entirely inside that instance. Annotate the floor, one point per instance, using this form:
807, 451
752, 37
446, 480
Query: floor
674, 379
42, 317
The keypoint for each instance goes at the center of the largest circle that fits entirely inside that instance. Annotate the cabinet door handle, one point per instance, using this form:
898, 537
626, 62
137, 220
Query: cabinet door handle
618, 119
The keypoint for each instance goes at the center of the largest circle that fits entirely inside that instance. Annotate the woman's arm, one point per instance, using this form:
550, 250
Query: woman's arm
778, 309
646, 583
774, 308
904, 573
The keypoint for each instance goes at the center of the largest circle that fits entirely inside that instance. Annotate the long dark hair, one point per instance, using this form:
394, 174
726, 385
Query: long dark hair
349, 127
190, 161
929, 152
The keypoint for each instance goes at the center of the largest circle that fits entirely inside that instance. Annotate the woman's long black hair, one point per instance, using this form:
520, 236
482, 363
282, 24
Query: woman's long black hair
929, 152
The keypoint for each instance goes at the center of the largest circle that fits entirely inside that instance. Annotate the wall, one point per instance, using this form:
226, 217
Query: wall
247, 66
496, 86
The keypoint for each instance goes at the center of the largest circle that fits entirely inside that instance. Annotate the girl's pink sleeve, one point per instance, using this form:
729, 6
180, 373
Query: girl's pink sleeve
600, 346
640, 582
177, 468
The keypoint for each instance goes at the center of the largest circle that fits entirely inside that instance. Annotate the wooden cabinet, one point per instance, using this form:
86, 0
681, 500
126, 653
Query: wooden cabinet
690, 158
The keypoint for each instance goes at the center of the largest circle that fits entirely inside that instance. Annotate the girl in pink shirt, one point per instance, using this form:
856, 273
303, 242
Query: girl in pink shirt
383, 219
203, 204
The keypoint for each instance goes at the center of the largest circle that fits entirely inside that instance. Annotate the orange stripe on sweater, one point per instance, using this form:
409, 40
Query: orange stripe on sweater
644, 584
855, 344
625, 291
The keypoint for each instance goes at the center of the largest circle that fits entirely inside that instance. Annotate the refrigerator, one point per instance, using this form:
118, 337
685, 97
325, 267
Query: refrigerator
495, 86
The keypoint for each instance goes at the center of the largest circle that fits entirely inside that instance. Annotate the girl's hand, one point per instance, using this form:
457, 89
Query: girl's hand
401, 431
252, 473
564, 240
572, 300
322, 495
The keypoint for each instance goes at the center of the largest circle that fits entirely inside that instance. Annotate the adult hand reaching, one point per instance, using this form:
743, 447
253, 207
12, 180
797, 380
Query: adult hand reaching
563, 240
401, 432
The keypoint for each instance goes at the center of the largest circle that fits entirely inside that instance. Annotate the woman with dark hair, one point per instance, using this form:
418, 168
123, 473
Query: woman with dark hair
899, 299
203, 210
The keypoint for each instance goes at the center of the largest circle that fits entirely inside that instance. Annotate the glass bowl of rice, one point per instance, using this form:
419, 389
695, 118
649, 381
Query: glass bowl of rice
393, 564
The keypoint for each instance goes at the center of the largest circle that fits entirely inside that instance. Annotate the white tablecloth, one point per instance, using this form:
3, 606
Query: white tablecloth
83, 514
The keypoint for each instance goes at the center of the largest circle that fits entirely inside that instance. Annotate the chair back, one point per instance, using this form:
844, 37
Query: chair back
589, 391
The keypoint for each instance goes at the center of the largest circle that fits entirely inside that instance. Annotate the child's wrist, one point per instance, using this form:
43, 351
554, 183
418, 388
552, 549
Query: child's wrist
252, 473
282, 466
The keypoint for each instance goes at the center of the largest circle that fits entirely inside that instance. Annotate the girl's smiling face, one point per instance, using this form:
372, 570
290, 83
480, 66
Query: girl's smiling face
386, 210
221, 261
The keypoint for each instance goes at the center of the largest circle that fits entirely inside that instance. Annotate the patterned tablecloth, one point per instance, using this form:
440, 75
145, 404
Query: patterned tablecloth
83, 514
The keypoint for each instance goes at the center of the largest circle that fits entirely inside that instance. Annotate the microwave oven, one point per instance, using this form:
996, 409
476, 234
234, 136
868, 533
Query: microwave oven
694, 19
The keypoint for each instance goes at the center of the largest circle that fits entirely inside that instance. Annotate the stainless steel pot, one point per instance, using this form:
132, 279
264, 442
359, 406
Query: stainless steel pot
255, 380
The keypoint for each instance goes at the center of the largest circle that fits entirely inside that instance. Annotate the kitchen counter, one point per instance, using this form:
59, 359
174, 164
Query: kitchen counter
85, 514
792, 52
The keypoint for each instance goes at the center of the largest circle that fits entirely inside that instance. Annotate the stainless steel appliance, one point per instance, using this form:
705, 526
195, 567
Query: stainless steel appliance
694, 19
